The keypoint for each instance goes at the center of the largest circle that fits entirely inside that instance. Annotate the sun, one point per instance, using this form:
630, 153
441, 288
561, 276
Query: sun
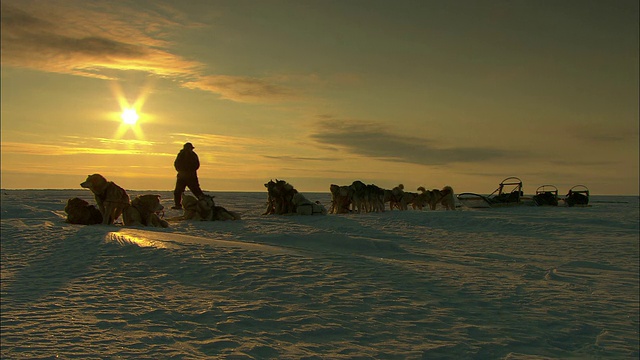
129, 116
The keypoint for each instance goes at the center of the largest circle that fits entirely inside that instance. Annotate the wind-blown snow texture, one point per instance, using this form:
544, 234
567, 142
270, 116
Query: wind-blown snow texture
511, 283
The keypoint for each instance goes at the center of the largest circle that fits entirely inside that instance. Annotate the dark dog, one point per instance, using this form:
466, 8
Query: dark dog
374, 198
80, 212
341, 199
359, 197
280, 197
394, 197
422, 200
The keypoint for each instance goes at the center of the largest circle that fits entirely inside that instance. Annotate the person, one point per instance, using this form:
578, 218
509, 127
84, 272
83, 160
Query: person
187, 165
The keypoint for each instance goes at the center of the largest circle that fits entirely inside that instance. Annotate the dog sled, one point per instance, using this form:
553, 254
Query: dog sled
577, 196
546, 195
508, 193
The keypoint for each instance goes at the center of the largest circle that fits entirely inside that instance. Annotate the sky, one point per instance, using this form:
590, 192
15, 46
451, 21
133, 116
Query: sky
320, 92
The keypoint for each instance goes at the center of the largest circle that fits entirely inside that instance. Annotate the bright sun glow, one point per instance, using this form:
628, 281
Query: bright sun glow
130, 116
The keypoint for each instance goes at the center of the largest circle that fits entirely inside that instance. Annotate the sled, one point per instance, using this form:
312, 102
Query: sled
577, 196
508, 193
546, 195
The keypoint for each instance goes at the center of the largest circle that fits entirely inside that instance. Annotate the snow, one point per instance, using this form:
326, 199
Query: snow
509, 283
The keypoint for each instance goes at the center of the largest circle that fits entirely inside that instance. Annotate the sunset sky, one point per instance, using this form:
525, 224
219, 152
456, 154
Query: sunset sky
424, 93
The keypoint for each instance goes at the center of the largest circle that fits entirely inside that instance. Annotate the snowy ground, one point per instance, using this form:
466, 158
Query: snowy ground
512, 283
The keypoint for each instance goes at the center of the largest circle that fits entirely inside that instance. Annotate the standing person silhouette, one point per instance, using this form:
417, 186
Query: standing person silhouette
187, 165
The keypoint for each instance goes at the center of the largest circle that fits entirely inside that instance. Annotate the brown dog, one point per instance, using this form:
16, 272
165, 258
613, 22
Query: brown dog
80, 212
111, 198
144, 211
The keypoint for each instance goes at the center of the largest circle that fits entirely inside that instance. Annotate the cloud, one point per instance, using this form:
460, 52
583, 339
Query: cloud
57, 150
215, 140
97, 146
94, 39
603, 134
298, 158
86, 41
242, 89
373, 140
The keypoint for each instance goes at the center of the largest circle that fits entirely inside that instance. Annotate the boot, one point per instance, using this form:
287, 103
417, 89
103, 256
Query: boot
177, 199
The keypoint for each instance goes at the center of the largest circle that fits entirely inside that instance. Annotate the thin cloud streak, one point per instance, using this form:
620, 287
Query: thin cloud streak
373, 140
60, 150
242, 89
299, 158
603, 135
215, 140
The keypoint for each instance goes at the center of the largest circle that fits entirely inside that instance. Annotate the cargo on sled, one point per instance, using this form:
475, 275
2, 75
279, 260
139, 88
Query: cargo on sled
577, 196
508, 193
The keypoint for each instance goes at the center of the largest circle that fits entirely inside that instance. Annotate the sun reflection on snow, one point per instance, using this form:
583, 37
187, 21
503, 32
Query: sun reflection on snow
129, 239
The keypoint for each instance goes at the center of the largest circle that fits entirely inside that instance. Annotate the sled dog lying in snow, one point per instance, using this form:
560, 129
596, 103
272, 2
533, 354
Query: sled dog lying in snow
144, 211
111, 198
305, 207
283, 199
205, 209
80, 212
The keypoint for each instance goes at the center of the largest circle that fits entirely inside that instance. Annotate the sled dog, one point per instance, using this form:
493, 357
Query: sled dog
111, 198
80, 212
144, 211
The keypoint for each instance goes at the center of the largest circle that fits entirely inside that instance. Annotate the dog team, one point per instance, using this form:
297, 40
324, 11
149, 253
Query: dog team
113, 201
144, 210
359, 197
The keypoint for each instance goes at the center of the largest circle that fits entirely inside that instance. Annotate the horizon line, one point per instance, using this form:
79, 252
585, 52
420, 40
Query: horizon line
228, 191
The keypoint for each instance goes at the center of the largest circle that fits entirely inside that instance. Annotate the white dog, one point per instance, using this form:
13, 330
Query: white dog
305, 207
